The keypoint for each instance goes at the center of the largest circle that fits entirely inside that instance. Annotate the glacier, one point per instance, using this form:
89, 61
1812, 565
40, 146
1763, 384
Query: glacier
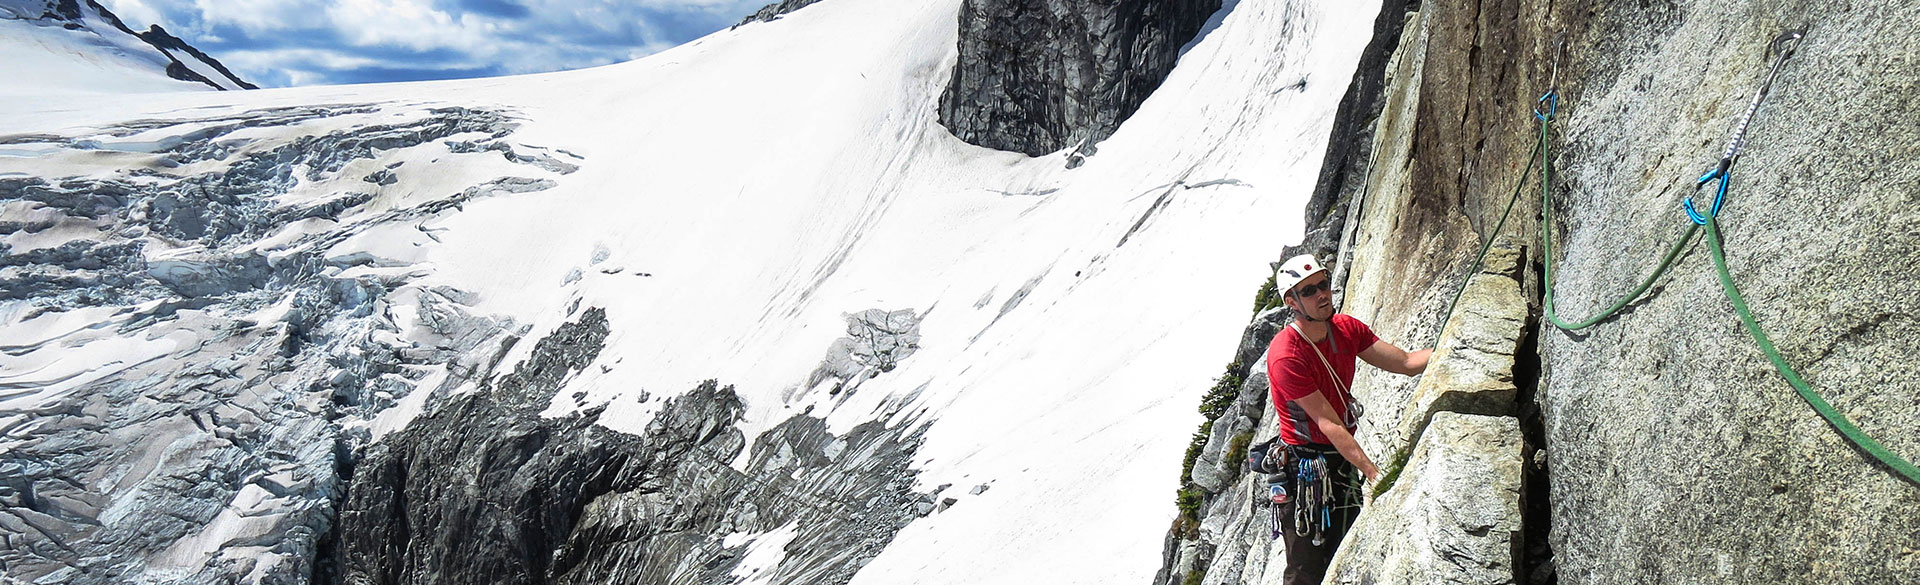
220, 307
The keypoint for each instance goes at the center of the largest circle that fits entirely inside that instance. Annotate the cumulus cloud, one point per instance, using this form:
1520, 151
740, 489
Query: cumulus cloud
309, 42
253, 17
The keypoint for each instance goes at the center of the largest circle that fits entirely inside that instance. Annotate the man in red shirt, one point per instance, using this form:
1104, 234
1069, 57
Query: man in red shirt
1310, 367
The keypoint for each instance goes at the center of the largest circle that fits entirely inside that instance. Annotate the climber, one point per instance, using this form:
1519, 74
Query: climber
1310, 366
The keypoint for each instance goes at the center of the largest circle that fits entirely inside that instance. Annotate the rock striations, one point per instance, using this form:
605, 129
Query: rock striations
1038, 77
485, 489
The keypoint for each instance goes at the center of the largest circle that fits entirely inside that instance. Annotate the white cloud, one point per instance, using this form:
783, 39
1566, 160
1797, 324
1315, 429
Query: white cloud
300, 42
322, 58
259, 16
137, 14
413, 24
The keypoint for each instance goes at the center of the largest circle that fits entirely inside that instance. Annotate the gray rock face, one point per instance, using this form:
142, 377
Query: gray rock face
1453, 518
1215, 467
845, 497
439, 502
1678, 454
1039, 76
487, 490
877, 340
774, 11
1472, 370
1728, 455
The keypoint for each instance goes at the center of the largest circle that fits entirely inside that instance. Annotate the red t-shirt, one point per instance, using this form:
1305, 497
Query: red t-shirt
1293, 372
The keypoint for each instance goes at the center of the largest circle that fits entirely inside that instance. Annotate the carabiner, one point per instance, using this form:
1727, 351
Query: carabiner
1552, 101
1719, 173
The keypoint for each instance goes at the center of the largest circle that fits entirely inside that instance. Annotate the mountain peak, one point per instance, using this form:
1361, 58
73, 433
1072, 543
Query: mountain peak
69, 46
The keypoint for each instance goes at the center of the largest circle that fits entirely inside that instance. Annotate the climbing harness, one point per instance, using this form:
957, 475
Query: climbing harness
1782, 47
1313, 494
1306, 468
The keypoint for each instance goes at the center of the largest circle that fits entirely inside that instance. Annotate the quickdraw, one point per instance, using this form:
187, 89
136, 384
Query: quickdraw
1721, 173
1782, 47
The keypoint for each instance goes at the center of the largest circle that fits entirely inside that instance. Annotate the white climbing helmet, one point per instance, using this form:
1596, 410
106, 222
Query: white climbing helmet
1294, 270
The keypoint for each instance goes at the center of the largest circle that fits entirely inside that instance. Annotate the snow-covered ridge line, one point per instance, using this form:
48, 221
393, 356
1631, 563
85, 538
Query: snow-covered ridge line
65, 46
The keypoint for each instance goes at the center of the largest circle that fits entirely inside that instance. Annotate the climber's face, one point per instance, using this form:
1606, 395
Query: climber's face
1313, 297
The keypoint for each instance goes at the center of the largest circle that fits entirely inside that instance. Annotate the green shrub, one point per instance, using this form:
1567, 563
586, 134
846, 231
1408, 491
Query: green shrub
1268, 297
1189, 501
1194, 447
1225, 389
1391, 473
1237, 449
1194, 577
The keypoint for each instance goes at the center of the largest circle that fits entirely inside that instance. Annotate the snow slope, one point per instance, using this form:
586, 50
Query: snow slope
740, 196
43, 52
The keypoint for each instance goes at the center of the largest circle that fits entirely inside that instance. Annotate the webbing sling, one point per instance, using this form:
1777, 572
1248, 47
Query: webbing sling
1722, 175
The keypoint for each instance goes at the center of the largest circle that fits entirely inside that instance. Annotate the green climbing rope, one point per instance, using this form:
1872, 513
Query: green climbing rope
1546, 238
1475, 268
1839, 422
1543, 155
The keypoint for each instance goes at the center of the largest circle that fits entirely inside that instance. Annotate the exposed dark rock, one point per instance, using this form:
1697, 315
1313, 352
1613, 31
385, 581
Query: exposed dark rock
562, 500
226, 422
73, 12
1040, 76
445, 502
774, 11
159, 38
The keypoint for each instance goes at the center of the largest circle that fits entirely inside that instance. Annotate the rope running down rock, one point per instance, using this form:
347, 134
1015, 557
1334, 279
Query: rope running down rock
1542, 153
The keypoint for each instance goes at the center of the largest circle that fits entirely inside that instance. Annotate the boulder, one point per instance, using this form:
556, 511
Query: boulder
1472, 371
1453, 518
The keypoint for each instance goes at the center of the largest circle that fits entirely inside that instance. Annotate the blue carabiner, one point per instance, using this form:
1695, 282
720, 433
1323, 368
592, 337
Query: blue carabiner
1720, 174
1552, 100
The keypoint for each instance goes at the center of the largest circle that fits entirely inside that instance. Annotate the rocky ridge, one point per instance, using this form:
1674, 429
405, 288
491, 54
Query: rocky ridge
774, 11
182, 61
538, 500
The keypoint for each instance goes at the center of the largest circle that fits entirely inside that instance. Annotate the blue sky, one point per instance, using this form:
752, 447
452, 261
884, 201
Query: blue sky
280, 43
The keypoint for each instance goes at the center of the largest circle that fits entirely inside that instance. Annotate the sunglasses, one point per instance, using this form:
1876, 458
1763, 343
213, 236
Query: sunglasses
1315, 289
